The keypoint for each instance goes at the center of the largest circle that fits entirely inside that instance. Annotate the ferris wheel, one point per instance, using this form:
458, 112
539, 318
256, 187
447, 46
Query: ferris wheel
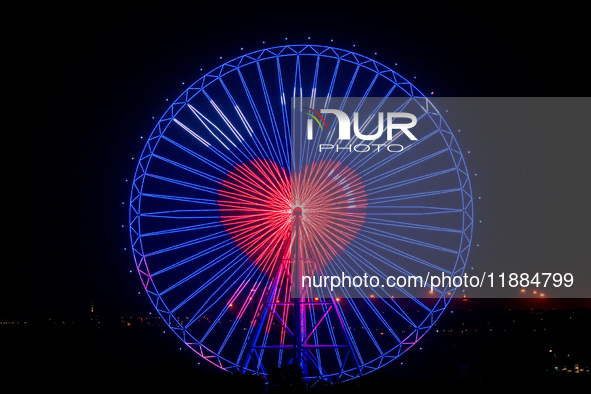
222, 212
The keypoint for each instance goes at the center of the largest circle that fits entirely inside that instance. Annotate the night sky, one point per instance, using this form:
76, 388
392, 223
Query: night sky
84, 84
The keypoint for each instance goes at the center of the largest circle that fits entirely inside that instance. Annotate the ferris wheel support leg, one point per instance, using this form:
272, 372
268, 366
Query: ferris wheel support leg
258, 322
299, 312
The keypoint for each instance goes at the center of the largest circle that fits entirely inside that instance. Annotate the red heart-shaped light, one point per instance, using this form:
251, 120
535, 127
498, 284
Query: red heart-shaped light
257, 200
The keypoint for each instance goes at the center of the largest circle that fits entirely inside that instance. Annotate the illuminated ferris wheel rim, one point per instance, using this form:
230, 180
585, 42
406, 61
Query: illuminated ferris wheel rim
286, 51
224, 70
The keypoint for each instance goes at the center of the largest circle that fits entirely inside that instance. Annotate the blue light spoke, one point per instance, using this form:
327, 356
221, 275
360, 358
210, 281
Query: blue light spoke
251, 153
271, 149
186, 184
183, 229
390, 235
408, 181
411, 210
195, 155
357, 251
361, 260
236, 320
186, 214
285, 109
219, 153
389, 161
398, 169
284, 160
232, 272
207, 123
389, 248
195, 200
221, 260
192, 133
409, 196
381, 318
366, 327
204, 239
396, 223
193, 257
187, 168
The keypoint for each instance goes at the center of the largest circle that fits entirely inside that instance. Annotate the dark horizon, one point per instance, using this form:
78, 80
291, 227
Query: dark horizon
485, 304
467, 347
